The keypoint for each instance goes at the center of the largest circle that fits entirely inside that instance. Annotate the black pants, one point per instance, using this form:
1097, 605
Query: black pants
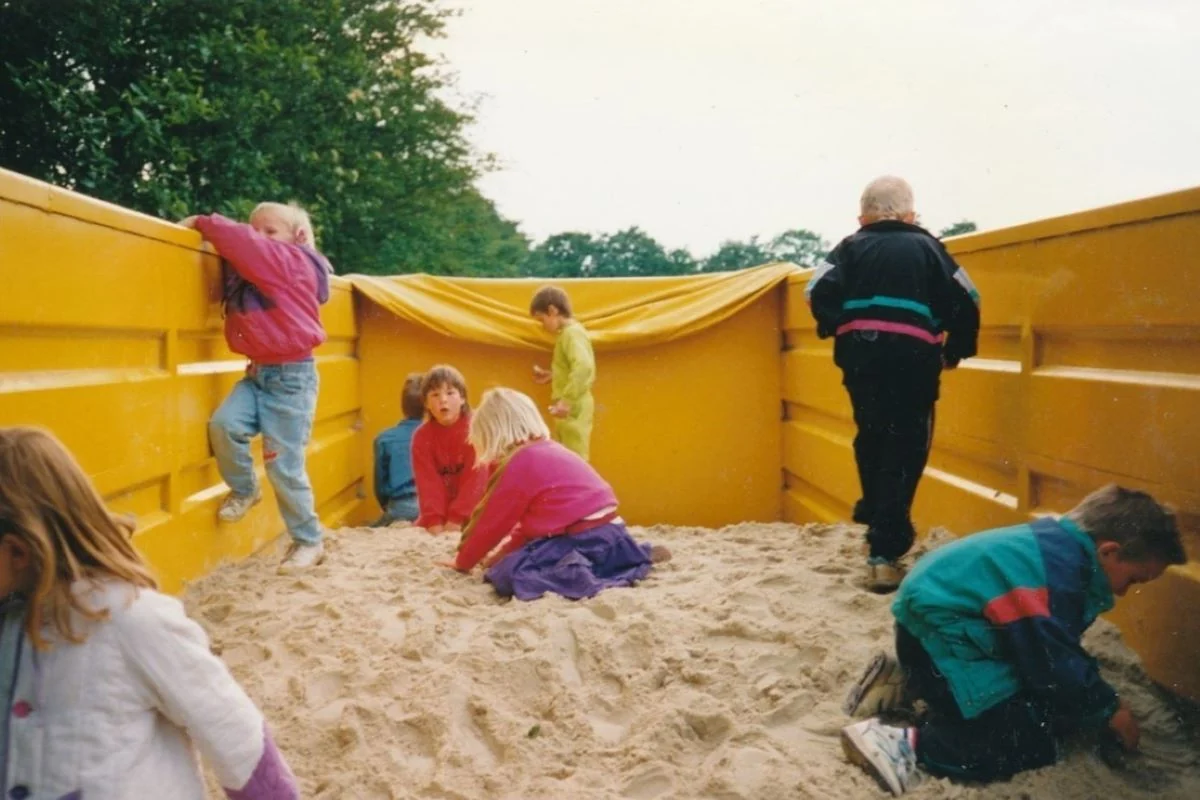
1017, 735
893, 409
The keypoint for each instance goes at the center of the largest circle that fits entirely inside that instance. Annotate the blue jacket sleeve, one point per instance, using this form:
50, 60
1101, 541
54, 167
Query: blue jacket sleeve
381, 472
1051, 662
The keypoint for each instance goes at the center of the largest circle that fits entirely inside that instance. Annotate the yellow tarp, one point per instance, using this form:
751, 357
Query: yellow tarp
660, 310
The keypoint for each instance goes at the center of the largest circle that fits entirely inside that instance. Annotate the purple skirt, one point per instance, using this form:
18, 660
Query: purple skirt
574, 566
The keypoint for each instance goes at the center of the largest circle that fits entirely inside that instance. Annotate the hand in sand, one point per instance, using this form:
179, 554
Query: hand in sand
540, 374
452, 527
1125, 727
434, 530
449, 564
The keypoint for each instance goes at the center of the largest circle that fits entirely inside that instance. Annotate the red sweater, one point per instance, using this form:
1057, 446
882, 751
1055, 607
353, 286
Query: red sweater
448, 482
537, 491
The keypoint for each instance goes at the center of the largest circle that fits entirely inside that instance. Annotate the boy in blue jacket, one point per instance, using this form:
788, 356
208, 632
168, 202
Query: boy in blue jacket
395, 487
988, 635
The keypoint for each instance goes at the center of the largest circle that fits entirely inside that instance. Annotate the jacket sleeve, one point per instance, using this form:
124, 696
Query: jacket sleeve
262, 261
1051, 663
956, 303
583, 367
170, 655
431, 490
825, 293
381, 471
495, 517
472, 485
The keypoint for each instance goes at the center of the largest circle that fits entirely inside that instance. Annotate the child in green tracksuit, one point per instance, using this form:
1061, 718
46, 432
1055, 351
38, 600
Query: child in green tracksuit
572, 370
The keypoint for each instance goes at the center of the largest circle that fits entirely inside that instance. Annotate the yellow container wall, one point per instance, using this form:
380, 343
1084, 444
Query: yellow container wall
687, 432
1088, 372
110, 336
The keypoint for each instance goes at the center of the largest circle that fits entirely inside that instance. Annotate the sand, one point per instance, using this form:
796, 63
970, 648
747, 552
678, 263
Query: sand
721, 676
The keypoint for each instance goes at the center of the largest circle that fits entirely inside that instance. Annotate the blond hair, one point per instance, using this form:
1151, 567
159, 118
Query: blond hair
293, 215
505, 419
1145, 529
48, 503
887, 197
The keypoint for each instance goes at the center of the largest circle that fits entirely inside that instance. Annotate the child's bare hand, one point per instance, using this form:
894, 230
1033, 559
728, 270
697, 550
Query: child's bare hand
1125, 727
540, 374
560, 408
452, 527
188, 222
435, 529
449, 564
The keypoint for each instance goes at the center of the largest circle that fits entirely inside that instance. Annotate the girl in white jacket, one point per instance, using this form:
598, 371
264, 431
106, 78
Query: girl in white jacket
107, 688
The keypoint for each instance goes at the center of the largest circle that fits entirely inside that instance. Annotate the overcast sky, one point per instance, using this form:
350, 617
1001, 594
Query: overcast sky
705, 120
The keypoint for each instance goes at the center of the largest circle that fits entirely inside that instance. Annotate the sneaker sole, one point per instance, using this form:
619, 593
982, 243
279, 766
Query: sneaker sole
855, 749
859, 690
290, 569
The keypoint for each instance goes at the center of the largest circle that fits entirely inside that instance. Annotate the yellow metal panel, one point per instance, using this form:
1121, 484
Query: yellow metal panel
1089, 372
687, 432
110, 337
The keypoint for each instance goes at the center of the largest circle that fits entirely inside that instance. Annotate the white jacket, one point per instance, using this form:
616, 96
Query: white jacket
121, 716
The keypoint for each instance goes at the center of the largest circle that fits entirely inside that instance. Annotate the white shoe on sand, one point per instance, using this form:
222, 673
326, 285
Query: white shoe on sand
300, 557
885, 752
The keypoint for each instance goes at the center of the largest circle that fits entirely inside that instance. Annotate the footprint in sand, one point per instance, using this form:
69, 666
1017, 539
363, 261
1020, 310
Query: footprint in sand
245, 655
653, 782
323, 688
470, 730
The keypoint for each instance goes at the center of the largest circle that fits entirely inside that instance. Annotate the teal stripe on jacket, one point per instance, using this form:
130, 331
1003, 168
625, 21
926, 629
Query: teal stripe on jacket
889, 302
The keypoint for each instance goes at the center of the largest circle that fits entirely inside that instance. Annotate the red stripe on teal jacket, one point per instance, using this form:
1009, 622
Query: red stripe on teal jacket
1003, 611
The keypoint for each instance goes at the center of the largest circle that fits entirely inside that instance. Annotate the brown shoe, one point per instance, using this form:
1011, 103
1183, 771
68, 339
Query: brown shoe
883, 576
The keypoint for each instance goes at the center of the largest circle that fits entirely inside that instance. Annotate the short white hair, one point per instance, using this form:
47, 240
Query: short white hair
888, 197
505, 419
293, 215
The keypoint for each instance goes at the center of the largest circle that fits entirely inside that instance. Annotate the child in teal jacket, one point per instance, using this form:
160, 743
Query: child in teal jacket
988, 634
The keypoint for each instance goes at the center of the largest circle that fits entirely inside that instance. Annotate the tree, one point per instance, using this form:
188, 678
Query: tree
563, 255
799, 246
958, 228
630, 253
733, 255
182, 106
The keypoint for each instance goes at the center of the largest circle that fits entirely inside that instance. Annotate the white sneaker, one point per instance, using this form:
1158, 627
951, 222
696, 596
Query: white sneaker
880, 689
885, 752
235, 506
301, 556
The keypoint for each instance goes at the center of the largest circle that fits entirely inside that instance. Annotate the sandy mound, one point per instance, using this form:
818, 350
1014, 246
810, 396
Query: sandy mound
720, 677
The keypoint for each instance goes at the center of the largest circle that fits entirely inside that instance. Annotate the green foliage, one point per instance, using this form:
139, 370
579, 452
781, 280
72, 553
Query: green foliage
175, 107
959, 228
799, 246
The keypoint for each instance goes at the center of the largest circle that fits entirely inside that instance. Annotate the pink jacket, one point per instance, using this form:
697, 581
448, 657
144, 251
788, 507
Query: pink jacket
273, 292
539, 490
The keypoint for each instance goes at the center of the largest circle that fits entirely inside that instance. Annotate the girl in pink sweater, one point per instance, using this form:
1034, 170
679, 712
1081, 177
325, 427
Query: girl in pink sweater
548, 522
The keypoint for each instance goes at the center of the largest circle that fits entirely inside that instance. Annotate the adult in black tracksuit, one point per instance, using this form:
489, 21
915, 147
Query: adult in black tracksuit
901, 310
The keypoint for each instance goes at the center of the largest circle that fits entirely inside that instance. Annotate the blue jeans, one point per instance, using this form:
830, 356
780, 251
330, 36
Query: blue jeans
402, 508
278, 401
